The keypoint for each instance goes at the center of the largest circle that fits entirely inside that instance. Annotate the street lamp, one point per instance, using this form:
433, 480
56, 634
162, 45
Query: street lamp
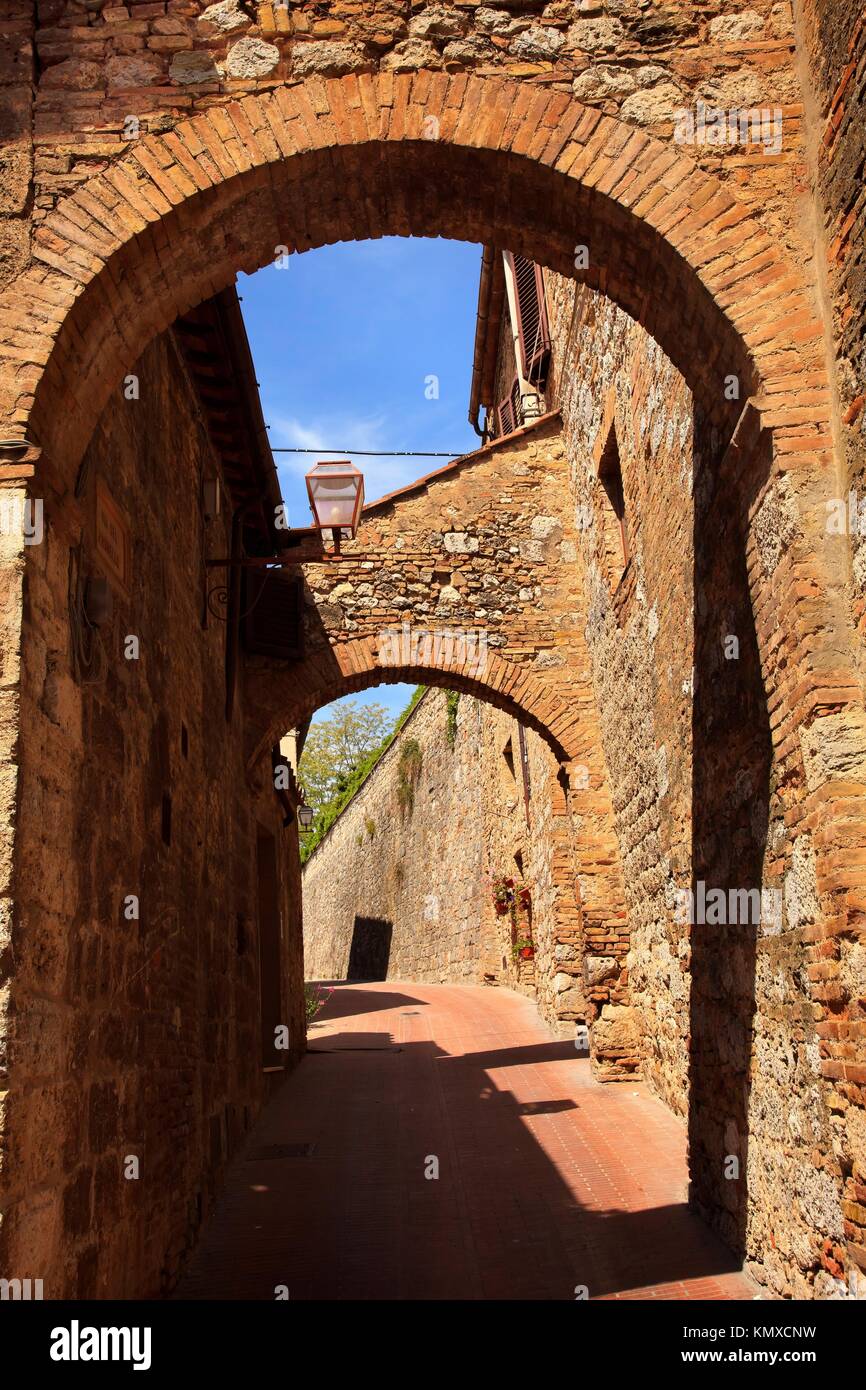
305, 816
336, 492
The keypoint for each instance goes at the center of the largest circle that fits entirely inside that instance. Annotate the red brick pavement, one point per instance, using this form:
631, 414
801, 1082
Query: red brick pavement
547, 1180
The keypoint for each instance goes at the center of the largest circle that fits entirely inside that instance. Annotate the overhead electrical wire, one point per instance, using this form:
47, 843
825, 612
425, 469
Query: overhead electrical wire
379, 453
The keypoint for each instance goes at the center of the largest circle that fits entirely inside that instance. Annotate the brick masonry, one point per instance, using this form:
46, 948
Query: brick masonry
558, 134
132, 1030
834, 43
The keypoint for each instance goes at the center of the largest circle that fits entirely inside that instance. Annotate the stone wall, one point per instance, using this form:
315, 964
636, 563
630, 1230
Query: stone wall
134, 989
723, 274
407, 853
156, 60
609, 375
449, 809
728, 1027
483, 558
721, 1014
834, 47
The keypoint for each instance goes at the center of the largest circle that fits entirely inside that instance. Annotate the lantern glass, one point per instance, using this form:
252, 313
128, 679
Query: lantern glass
336, 496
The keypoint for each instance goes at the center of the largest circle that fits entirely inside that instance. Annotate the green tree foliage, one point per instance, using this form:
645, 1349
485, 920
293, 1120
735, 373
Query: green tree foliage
346, 784
336, 746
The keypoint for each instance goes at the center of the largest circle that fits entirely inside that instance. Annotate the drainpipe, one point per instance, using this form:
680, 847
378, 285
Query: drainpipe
235, 579
481, 325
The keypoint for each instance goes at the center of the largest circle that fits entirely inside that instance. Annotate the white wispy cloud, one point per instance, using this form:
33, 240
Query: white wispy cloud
338, 437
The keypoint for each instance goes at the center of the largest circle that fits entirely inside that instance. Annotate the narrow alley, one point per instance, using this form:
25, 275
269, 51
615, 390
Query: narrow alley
547, 1180
432, 564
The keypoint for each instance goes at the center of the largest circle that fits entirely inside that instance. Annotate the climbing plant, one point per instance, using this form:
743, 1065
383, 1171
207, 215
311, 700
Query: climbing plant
408, 772
351, 784
452, 700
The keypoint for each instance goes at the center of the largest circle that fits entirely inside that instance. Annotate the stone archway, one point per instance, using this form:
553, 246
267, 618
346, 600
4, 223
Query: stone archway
172, 220
290, 696
500, 520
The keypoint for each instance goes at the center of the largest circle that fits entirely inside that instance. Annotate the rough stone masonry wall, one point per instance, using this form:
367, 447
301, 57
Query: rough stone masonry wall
96, 63
835, 50
608, 373
426, 868
417, 865
132, 1037
729, 1034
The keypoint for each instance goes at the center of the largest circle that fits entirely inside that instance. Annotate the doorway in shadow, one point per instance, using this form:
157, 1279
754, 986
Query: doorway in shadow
370, 951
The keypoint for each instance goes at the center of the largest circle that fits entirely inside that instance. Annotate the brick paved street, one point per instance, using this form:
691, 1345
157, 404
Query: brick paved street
547, 1180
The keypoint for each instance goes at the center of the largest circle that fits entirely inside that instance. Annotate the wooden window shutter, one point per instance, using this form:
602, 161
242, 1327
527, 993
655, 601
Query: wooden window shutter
506, 416
533, 329
509, 412
273, 606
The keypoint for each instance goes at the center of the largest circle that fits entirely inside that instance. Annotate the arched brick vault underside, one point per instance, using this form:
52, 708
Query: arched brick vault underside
284, 699
173, 220
176, 216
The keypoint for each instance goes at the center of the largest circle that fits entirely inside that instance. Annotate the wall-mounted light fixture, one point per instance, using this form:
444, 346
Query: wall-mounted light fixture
211, 494
305, 816
336, 492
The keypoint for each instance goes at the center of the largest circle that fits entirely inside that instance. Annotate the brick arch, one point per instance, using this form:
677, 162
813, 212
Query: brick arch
177, 215
287, 698
173, 219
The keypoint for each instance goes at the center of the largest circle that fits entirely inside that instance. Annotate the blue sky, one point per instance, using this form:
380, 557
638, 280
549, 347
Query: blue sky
345, 340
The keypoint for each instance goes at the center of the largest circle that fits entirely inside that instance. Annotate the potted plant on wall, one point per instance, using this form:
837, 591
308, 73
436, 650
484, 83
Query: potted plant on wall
503, 896
513, 898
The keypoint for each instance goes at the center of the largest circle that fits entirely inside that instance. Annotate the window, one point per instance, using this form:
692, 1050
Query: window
524, 766
530, 342
508, 773
615, 530
509, 412
532, 328
508, 755
273, 614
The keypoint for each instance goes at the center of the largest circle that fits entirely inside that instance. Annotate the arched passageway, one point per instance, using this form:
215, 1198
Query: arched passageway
169, 224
